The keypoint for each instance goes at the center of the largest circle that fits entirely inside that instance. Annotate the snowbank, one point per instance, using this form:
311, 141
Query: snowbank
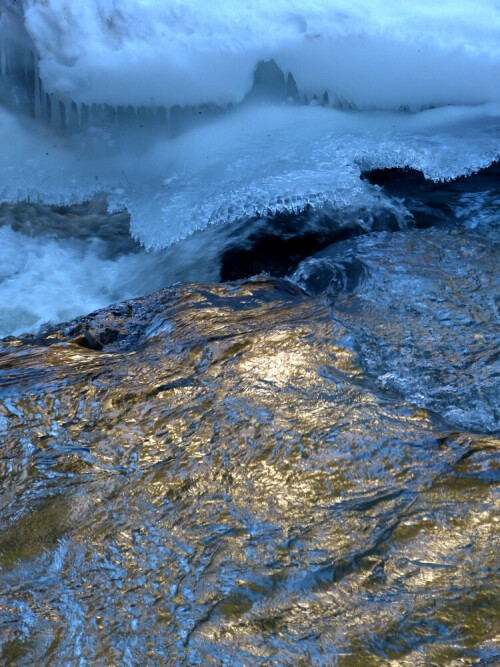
368, 53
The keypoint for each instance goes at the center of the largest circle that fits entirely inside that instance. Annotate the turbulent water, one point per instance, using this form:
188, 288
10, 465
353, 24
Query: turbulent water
250, 473
276, 438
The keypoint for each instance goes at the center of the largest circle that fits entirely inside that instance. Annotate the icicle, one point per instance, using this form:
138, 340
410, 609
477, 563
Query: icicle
141, 116
84, 116
78, 110
127, 116
55, 112
96, 115
38, 90
3, 61
108, 114
72, 115
161, 116
150, 116
46, 110
120, 115
66, 113
62, 115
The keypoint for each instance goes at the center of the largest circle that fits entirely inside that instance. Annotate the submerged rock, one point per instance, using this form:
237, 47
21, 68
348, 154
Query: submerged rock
207, 474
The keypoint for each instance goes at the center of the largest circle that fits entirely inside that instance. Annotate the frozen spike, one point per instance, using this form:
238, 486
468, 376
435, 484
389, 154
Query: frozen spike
95, 116
62, 114
68, 114
3, 61
161, 115
120, 114
145, 115
46, 106
78, 112
38, 99
71, 114
108, 114
84, 115
37, 91
55, 112
131, 114
26, 63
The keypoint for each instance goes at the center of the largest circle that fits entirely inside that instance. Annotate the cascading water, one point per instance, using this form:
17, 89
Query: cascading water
296, 467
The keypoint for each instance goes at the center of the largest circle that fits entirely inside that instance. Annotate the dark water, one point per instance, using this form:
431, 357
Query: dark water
274, 471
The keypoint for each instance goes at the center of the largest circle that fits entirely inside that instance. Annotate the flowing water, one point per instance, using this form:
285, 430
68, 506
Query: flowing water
275, 439
271, 471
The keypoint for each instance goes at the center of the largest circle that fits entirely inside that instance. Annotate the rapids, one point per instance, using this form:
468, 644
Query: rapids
249, 333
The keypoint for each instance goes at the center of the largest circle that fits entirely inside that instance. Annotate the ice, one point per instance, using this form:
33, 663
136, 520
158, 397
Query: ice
160, 105
249, 163
369, 54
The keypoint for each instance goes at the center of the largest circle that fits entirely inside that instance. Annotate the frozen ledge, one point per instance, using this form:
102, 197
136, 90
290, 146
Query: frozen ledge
162, 62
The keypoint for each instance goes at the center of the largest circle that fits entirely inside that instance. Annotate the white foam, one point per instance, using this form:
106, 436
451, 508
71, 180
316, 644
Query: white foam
47, 279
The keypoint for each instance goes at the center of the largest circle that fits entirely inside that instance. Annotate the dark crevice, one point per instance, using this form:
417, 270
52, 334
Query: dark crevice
401, 181
276, 255
276, 244
431, 202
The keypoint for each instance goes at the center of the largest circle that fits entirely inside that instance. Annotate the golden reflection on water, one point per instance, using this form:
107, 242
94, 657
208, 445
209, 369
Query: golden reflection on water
233, 486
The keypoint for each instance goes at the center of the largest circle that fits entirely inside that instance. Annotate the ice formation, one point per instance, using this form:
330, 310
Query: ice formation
383, 54
159, 104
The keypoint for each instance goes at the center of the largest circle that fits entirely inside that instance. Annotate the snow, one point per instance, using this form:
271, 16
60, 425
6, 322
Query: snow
368, 53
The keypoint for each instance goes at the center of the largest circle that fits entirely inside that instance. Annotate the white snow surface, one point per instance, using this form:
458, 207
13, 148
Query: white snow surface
369, 53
